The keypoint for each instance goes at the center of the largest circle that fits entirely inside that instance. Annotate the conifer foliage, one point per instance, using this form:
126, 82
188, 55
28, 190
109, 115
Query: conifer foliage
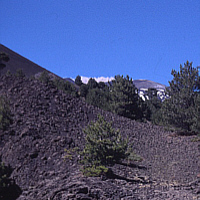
61, 84
196, 124
181, 109
78, 81
125, 99
104, 147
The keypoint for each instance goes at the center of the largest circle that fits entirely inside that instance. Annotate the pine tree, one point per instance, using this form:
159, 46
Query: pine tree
99, 98
92, 84
83, 90
104, 147
151, 105
125, 99
179, 110
196, 118
78, 81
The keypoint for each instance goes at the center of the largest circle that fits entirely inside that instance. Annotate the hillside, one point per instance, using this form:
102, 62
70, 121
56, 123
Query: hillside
17, 62
46, 122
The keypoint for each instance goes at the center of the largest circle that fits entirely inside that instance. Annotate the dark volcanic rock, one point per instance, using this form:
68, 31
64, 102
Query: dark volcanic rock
47, 121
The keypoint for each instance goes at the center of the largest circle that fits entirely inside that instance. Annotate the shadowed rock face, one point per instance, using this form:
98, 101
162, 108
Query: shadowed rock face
47, 121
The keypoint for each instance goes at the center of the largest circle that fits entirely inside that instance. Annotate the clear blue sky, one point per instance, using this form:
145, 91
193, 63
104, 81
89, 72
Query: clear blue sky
145, 39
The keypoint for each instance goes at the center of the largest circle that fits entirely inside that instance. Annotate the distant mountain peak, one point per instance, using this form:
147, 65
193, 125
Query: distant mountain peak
139, 83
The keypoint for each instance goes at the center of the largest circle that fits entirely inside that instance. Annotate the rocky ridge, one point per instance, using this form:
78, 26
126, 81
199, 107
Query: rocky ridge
46, 122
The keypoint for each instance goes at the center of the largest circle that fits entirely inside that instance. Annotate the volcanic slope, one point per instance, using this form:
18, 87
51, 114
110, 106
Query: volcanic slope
47, 121
19, 62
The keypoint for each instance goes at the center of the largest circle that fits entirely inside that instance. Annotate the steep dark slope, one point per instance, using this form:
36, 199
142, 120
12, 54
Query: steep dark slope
47, 121
19, 62
16, 62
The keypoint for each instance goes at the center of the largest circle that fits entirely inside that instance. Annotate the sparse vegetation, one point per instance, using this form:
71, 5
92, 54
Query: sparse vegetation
69, 153
45, 121
8, 73
65, 86
196, 139
20, 73
104, 147
181, 111
59, 83
44, 77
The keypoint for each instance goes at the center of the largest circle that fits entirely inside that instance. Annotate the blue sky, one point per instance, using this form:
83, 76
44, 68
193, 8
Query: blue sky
145, 39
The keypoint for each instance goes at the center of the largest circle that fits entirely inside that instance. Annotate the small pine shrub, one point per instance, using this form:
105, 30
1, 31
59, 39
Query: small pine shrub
44, 77
65, 86
20, 73
70, 153
94, 170
104, 147
8, 73
59, 83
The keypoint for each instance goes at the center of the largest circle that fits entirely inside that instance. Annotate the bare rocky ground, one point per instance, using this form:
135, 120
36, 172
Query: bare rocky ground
47, 121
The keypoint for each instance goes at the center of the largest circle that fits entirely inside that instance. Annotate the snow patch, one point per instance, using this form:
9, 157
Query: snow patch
98, 79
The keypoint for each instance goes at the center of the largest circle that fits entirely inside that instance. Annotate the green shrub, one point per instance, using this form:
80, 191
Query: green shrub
5, 113
44, 77
8, 73
20, 73
65, 86
84, 90
99, 98
94, 170
59, 83
70, 153
104, 147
